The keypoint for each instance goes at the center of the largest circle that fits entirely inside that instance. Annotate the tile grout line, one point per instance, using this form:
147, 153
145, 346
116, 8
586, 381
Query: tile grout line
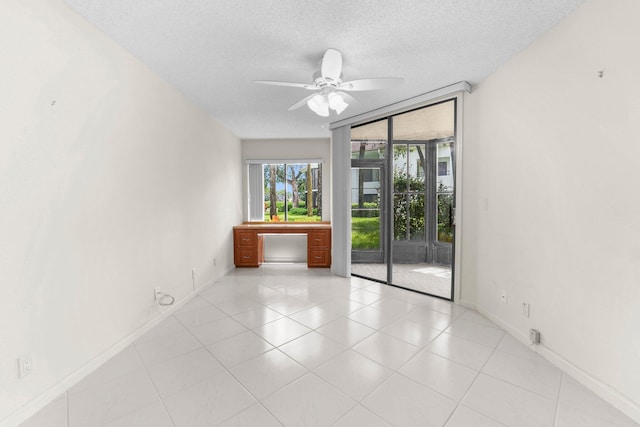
257, 399
471, 385
520, 387
555, 415
393, 371
144, 365
228, 371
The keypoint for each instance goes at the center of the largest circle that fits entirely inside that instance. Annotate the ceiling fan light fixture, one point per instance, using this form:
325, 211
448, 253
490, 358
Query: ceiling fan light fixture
341, 108
319, 104
324, 109
315, 103
337, 103
334, 100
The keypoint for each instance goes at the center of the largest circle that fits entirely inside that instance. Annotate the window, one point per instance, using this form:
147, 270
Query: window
285, 192
443, 168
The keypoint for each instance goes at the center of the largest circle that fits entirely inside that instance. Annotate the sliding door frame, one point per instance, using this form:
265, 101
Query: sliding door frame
428, 204
453, 92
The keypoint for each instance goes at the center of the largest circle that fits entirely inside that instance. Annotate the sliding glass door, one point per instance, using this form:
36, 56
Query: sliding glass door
411, 156
368, 183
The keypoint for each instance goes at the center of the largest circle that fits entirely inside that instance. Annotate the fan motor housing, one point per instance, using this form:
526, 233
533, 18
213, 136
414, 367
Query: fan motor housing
321, 82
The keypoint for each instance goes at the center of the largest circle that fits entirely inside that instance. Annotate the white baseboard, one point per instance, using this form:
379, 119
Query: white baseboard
468, 304
286, 260
36, 404
600, 388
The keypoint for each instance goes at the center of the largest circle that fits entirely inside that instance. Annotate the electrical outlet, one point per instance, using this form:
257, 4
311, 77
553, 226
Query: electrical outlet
193, 273
534, 336
25, 366
157, 293
214, 262
525, 309
503, 296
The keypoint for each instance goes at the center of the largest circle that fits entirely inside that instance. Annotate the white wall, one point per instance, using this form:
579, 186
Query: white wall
111, 183
290, 149
552, 213
285, 248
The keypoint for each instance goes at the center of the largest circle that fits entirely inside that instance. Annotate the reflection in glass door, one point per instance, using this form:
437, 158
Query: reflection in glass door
409, 159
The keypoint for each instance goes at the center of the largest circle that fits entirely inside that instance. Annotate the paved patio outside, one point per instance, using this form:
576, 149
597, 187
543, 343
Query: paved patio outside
428, 278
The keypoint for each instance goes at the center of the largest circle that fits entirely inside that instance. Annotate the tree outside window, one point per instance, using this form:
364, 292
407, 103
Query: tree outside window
293, 192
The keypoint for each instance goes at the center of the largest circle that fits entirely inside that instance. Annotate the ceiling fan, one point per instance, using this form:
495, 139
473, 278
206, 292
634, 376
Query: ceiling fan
330, 89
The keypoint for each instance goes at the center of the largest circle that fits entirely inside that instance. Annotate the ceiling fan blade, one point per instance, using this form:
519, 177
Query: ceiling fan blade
302, 102
371, 84
287, 84
331, 64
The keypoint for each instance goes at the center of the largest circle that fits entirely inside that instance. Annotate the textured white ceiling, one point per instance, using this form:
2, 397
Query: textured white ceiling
212, 50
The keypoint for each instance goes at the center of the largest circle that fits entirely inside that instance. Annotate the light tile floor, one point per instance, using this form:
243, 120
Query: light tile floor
287, 346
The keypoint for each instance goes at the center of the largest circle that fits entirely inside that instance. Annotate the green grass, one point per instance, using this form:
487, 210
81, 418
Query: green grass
365, 233
294, 218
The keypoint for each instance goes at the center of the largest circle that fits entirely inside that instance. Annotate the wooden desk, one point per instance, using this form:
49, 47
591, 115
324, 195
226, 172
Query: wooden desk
248, 244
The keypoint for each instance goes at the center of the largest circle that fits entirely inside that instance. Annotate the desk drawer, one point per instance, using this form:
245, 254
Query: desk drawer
318, 258
246, 238
247, 258
320, 238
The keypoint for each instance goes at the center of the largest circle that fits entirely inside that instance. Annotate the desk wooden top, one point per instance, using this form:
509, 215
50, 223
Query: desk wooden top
283, 227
